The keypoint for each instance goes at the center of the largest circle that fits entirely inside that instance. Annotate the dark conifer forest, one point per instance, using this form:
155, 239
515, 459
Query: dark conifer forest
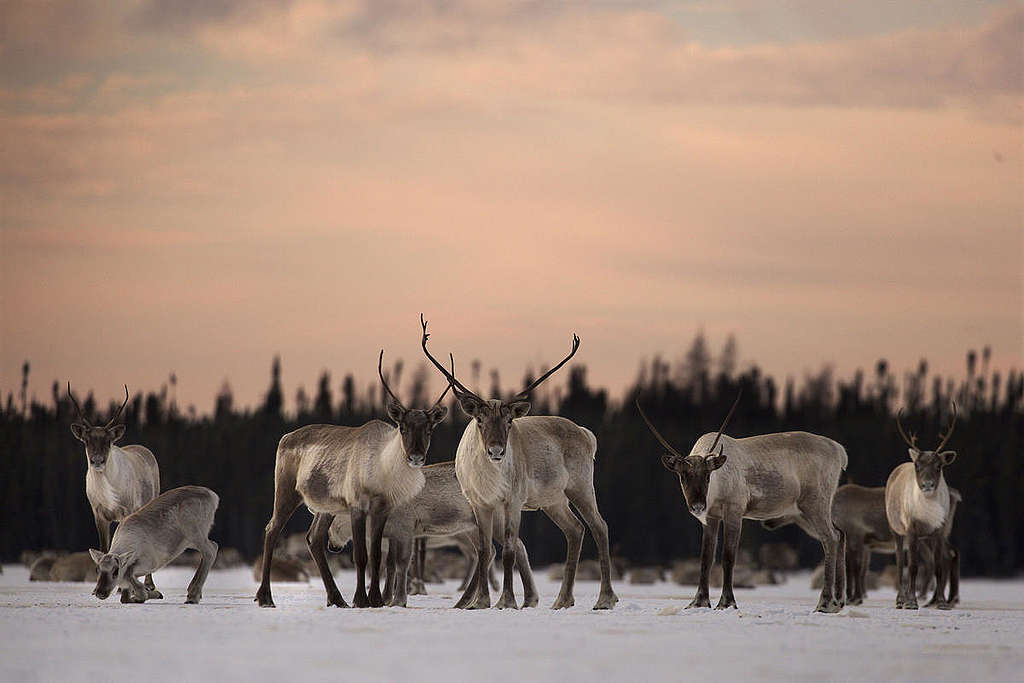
42, 467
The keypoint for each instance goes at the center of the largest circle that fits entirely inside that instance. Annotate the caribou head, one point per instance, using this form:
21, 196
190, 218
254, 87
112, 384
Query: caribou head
97, 439
694, 470
493, 417
414, 425
111, 571
928, 464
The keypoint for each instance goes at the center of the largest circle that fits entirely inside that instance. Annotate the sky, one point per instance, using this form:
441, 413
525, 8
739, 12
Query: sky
196, 186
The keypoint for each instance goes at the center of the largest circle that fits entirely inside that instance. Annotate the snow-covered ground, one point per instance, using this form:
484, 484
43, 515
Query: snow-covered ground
58, 632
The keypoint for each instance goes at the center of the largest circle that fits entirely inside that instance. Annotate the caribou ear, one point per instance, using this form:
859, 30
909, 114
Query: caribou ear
96, 555
395, 411
437, 414
519, 409
913, 453
716, 461
125, 559
947, 457
116, 433
78, 430
669, 461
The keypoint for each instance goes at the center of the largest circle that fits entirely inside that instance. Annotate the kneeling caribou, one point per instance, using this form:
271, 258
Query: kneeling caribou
119, 479
155, 534
360, 471
508, 462
760, 477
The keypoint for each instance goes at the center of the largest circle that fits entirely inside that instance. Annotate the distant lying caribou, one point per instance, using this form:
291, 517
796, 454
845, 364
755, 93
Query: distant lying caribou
152, 537
917, 505
119, 479
760, 477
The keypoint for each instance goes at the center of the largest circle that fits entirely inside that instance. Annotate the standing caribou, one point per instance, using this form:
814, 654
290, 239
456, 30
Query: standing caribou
119, 479
859, 512
760, 477
363, 471
507, 462
917, 505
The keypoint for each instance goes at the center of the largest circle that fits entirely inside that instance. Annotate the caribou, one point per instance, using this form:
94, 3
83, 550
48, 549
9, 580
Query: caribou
119, 479
859, 512
917, 505
439, 511
790, 474
365, 472
507, 462
152, 536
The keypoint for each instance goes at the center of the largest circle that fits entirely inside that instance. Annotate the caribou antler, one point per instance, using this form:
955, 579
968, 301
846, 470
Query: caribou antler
118, 413
575, 347
726, 422
654, 431
78, 408
949, 432
453, 383
912, 439
380, 372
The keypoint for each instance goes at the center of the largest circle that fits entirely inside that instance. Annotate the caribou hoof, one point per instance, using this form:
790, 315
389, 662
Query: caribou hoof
606, 601
726, 602
564, 602
700, 601
481, 602
335, 600
530, 600
828, 606
264, 599
507, 601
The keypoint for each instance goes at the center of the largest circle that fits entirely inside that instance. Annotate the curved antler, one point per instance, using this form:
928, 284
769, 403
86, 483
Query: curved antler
949, 432
78, 408
536, 382
118, 413
726, 422
380, 372
447, 388
453, 383
654, 431
910, 440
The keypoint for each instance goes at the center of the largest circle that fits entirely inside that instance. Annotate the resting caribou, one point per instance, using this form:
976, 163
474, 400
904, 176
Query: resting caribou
119, 479
760, 477
508, 462
917, 505
364, 471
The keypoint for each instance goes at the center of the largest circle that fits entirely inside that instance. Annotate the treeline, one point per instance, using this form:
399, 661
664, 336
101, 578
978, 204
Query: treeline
232, 451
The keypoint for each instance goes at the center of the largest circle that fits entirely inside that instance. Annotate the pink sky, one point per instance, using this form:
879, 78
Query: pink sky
195, 187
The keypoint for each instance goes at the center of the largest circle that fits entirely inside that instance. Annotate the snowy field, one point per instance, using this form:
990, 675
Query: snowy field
59, 632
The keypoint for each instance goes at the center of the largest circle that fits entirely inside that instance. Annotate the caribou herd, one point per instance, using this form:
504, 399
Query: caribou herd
370, 483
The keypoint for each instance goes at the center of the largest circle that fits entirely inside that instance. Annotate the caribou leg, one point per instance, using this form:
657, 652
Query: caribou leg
586, 504
316, 541
508, 557
286, 502
730, 544
571, 526
708, 544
